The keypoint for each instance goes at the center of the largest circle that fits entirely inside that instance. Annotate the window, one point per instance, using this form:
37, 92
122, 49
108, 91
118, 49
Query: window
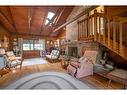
38, 45
33, 44
27, 44
46, 22
49, 17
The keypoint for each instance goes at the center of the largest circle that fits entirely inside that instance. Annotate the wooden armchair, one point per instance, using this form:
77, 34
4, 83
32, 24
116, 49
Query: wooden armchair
53, 57
12, 60
3, 63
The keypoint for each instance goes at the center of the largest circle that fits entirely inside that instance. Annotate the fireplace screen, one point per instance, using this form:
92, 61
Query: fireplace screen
73, 51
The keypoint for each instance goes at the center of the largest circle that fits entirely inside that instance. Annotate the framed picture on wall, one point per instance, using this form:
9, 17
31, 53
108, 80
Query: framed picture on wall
62, 41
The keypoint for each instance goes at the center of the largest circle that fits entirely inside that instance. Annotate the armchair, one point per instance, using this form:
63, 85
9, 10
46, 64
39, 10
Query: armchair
3, 62
84, 66
10, 54
12, 60
53, 56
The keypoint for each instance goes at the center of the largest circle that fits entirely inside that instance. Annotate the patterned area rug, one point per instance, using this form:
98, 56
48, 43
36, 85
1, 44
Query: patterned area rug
48, 80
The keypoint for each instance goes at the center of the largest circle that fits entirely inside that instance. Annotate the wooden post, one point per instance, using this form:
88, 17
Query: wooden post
80, 29
114, 35
104, 30
82, 25
92, 26
87, 29
121, 39
95, 25
78, 32
83, 29
88, 25
99, 32
109, 32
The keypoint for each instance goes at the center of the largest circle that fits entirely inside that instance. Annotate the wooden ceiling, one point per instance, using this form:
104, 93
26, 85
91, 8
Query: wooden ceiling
30, 20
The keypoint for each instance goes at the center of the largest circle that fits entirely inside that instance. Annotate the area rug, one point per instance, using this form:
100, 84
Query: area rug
33, 61
48, 80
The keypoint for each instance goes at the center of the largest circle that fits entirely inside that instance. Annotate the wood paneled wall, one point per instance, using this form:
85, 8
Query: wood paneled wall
4, 38
31, 54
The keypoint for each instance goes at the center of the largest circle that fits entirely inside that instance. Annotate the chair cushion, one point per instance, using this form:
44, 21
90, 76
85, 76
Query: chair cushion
2, 51
48, 56
18, 58
55, 52
15, 63
10, 53
51, 57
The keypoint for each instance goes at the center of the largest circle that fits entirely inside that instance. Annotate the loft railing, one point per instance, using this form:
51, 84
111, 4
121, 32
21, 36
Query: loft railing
109, 31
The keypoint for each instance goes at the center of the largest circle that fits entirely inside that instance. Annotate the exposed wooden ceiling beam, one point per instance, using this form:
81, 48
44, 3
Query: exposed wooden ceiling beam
14, 24
75, 18
1, 13
1, 24
58, 17
8, 31
35, 35
5, 17
31, 11
43, 22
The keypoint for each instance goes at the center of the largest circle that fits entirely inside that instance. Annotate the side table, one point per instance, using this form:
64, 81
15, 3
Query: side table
65, 63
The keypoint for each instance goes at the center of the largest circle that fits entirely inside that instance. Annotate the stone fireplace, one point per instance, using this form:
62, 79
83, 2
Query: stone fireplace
77, 49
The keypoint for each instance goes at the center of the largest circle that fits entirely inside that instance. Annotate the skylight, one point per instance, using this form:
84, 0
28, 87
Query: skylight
46, 22
49, 17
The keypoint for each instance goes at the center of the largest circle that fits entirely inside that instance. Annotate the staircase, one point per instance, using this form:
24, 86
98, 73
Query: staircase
108, 31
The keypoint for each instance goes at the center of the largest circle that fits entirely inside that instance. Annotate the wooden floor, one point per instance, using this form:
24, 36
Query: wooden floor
14, 74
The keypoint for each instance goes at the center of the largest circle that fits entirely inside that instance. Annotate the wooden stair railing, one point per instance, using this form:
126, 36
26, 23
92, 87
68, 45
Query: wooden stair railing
107, 31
